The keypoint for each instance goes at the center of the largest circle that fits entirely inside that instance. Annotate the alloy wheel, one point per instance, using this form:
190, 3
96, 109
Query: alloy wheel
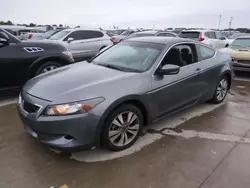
222, 89
124, 129
48, 68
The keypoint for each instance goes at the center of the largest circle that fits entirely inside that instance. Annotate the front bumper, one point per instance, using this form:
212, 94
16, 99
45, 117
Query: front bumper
66, 133
240, 66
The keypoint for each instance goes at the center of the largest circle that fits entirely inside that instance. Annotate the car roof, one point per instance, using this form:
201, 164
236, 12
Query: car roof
197, 30
79, 29
147, 32
161, 40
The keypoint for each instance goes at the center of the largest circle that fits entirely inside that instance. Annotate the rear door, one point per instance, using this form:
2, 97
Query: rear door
174, 92
86, 43
210, 35
221, 43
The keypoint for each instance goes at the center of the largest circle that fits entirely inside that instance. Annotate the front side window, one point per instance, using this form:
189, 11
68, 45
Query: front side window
241, 42
130, 56
204, 52
181, 55
218, 35
210, 35
59, 35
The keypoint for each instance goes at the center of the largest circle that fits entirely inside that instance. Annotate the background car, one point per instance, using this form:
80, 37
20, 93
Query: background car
83, 43
151, 33
239, 50
21, 60
118, 38
126, 87
41, 36
232, 37
209, 37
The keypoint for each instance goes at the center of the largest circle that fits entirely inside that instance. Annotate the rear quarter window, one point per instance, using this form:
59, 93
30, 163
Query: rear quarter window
204, 52
189, 34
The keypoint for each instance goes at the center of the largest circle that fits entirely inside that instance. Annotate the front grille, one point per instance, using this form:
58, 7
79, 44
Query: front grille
244, 61
30, 108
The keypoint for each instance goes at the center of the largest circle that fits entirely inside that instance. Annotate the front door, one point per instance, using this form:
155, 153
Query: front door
11, 66
174, 92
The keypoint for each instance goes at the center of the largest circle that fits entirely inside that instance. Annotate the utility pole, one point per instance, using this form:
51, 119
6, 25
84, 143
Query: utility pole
219, 23
230, 23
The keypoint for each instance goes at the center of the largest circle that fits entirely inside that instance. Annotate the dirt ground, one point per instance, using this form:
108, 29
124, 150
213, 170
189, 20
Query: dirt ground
209, 151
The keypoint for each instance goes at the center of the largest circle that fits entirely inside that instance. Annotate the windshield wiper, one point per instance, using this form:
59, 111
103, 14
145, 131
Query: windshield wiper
124, 69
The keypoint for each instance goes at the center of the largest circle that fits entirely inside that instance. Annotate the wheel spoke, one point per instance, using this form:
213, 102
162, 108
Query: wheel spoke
134, 117
113, 133
121, 141
114, 137
120, 117
125, 138
130, 114
116, 123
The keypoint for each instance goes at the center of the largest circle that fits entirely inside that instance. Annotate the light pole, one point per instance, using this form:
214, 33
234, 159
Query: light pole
219, 22
230, 23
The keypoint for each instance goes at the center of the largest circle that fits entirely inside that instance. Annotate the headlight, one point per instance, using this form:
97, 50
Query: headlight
72, 108
68, 53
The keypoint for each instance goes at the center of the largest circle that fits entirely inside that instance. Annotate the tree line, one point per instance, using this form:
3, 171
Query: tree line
28, 25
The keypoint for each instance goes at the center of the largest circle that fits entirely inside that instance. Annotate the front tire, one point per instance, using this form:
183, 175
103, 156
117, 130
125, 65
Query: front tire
122, 127
47, 66
221, 90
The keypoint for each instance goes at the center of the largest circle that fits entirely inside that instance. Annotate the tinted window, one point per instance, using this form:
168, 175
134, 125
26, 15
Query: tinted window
81, 35
181, 55
218, 35
242, 42
165, 35
204, 52
135, 56
189, 34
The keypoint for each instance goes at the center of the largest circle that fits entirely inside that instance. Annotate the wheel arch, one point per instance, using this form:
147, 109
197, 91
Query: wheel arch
38, 62
131, 99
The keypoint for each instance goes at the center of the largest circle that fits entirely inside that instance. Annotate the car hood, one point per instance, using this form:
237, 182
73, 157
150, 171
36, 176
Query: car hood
76, 82
239, 53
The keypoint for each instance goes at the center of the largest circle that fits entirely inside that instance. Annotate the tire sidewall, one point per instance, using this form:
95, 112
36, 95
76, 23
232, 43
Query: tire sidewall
111, 117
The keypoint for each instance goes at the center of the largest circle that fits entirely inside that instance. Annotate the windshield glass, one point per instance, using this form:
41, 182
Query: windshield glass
243, 42
125, 33
48, 34
59, 35
234, 36
133, 56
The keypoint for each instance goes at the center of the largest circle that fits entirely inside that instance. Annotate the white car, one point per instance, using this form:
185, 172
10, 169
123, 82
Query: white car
210, 37
83, 43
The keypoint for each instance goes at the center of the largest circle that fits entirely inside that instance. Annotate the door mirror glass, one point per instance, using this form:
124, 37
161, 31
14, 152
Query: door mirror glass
169, 70
4, 38
70, 40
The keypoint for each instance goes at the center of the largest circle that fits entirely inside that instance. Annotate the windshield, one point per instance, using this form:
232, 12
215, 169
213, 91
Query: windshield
59, 35
234, 36
125, 33
243, 42
48, 34
133, 56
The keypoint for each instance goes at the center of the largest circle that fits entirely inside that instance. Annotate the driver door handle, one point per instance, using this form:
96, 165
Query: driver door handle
198, 70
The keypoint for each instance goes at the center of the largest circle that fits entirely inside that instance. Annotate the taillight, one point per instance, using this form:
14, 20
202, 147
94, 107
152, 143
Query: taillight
111, 39
30, 36
201, 38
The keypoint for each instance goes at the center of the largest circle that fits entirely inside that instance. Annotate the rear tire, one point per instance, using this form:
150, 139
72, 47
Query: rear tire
47, 66
122, 127
221, 90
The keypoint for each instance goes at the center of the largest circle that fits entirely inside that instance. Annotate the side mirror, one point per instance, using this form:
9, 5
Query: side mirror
226, 45
70, 40
169, 70
4, 39
223, 38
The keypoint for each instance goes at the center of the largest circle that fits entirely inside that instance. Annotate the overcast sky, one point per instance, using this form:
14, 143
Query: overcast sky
128, 13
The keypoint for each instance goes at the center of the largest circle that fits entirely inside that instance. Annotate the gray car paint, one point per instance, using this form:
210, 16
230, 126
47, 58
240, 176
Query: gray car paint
159, 95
